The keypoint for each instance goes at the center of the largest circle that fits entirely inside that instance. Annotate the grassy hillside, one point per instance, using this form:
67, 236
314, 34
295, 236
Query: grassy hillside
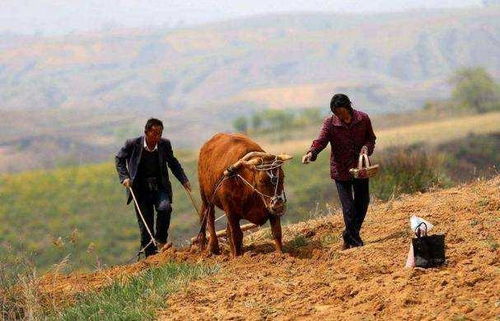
313, 280
96, 89
84, 207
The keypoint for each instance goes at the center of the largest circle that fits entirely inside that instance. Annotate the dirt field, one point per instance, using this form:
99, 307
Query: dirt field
318, 281
314, 279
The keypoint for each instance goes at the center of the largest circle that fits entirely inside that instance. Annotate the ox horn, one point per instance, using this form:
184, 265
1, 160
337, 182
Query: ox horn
251, 155
247, 159
284, 157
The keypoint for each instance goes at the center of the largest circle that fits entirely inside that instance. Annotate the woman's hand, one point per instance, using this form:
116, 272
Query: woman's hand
306, 159
364, 150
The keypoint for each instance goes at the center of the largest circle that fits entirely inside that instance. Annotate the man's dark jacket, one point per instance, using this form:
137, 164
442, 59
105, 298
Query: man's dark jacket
128, 158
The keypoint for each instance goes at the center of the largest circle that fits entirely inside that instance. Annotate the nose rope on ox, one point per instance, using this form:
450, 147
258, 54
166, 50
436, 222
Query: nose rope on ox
268, 168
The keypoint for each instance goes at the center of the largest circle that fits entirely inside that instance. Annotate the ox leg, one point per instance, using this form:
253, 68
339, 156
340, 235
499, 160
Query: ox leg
202, 235
236, 235
229, 237
213, 243
276, 230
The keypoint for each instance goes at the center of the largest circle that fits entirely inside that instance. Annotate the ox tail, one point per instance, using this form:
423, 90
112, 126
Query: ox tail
202, 236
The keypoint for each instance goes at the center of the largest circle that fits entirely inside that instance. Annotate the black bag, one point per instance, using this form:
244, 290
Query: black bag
428, 250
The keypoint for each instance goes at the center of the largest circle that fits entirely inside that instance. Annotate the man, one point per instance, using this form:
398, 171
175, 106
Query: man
349, 133
141, 165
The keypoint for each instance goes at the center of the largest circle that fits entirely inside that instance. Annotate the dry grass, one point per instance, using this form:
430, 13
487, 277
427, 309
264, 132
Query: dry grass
432, 133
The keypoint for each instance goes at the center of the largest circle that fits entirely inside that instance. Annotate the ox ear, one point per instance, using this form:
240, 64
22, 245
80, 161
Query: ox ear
284, 157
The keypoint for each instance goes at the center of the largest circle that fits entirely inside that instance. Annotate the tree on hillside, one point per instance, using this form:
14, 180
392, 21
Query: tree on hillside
256, 121
475, 89
278, 119
240, 124
312, 115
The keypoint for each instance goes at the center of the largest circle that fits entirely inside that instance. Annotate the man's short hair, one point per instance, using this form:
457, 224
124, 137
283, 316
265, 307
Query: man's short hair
151, 123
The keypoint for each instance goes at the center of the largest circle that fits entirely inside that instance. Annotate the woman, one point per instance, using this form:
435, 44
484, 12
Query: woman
350, 134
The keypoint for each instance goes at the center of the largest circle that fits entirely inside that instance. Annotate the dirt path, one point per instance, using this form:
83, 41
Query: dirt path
314, 280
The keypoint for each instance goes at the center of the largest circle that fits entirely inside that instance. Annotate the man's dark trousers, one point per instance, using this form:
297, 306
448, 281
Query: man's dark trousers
354, 196
150, 200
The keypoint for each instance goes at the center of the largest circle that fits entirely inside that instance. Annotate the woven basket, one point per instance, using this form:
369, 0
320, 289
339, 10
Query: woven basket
364, 172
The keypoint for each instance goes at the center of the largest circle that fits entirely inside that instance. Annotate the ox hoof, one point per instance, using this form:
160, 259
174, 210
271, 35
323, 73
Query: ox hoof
250, 254
214, 250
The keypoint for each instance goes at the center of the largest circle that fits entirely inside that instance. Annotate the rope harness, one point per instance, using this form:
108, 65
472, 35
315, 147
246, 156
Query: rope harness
275, 178
269, 169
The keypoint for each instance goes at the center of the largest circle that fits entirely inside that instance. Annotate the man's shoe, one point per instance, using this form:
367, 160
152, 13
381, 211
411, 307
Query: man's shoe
160, 245
346, 246
163, 246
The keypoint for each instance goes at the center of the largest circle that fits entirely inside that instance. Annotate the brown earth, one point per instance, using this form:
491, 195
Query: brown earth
314, 279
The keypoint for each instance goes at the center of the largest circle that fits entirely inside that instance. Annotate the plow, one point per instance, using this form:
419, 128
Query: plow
221, 233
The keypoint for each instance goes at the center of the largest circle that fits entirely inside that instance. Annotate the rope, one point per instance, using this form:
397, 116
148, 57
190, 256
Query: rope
248, 183
204, 214
220, 217
145, 224
253, 188
269, 166
193, 201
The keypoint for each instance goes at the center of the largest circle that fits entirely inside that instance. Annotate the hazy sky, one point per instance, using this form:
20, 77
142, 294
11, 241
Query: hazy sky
64, 16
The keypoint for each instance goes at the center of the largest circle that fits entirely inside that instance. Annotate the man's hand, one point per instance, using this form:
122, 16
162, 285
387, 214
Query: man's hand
306, 159
127, 182
187, 185
364, 150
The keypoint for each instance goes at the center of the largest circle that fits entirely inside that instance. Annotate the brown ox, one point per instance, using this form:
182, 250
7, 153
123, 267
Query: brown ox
237, 176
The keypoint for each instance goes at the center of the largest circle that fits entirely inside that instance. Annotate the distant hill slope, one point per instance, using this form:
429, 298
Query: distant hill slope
198, 78
315, 280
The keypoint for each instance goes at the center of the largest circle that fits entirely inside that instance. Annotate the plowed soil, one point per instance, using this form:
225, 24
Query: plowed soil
315, 279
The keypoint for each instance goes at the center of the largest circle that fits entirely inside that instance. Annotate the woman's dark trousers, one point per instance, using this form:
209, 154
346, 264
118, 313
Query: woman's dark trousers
148, 201
354, 196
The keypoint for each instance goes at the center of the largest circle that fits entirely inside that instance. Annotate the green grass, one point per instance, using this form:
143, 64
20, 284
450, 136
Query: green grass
328, 240
492, 244
297, 241
136, 299
84, 207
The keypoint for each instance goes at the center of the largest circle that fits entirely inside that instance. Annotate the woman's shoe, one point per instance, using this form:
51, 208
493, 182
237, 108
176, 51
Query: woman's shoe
346, 246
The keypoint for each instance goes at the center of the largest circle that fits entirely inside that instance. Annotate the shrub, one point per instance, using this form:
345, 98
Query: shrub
408, 170
476, 89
